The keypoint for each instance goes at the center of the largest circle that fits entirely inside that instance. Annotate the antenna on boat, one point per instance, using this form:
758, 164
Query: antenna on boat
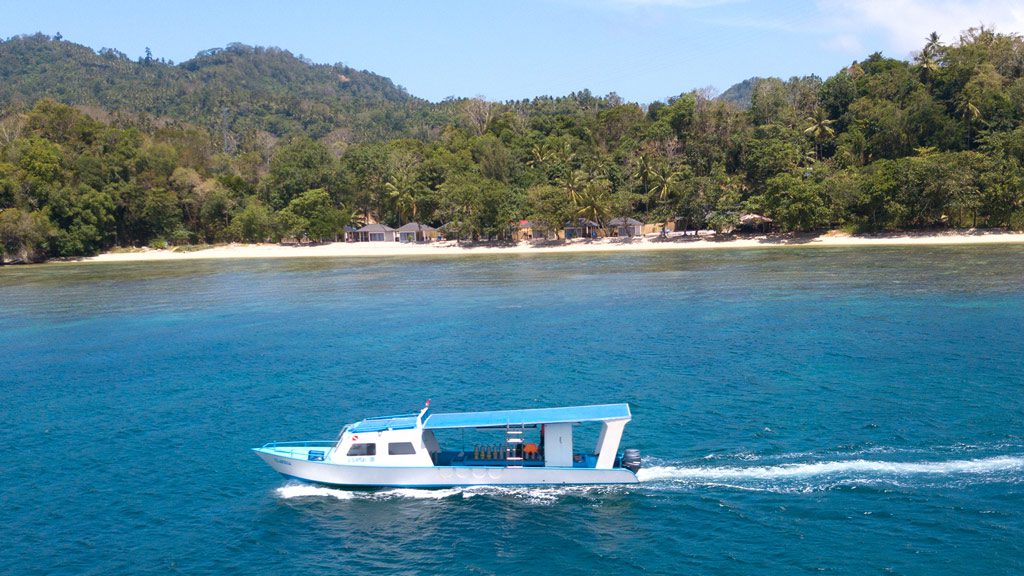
426, 407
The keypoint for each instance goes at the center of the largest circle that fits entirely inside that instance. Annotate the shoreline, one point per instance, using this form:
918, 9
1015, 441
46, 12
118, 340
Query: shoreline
450, 248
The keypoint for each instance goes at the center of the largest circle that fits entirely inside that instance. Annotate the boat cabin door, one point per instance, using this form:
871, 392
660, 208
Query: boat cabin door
558, 445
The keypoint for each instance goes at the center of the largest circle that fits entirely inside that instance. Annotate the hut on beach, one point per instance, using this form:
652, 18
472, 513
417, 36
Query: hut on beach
530, 230
416, 232
755, 223
582, 228
624, 226
375, 233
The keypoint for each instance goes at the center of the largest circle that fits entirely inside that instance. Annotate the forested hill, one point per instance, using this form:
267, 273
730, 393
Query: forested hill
740, 93
242, 88
255, 144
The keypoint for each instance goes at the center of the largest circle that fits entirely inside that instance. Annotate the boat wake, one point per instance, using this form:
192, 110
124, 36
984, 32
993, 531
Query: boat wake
781, 478
289, 491
534, 494
803, 476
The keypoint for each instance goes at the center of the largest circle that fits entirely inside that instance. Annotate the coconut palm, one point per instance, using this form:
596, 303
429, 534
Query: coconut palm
932, 45
665, 179
819, 129
573, 183
541, 154
970, 115
593, 204
644, 171
927, 60
402, 193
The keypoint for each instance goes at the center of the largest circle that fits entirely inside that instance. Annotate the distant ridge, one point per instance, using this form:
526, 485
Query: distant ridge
252, 88
740, 93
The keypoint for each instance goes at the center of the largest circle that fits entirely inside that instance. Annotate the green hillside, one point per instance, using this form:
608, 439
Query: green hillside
254, 144
740, 93
242, 88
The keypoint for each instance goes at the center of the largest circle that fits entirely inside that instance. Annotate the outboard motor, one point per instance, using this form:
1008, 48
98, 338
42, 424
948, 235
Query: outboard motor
631, 460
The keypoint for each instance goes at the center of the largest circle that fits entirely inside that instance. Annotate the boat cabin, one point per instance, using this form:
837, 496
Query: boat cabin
540, 437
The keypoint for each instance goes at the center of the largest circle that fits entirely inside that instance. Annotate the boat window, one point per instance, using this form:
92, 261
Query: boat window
401, 448
363, 450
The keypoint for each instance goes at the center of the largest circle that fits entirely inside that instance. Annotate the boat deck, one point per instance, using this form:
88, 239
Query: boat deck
450, 458
319, 451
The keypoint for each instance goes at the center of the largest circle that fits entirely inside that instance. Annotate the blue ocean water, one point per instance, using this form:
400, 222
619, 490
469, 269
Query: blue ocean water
848, 411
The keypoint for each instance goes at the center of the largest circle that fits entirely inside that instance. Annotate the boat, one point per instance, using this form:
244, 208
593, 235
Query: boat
534, 447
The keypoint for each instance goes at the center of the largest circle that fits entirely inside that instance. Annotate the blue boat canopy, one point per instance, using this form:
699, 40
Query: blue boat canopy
569, 414
399, 422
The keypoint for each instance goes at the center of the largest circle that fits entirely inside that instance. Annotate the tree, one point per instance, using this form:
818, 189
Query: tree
253, 223
404, 188
84, 218
771, 151
215, 213
678, 114
819, 129
644, 171
594, 203
548, 206
478, 113
928, 59
40, 163
461, 205
794, 203
970, 114
300, 165
836, 95
323, 219
23, 235
769, 102
161, 213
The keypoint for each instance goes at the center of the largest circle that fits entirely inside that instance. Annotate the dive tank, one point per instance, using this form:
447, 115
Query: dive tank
631, 459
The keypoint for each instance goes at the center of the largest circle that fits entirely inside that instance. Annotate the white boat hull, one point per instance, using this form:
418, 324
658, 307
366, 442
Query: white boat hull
325, 472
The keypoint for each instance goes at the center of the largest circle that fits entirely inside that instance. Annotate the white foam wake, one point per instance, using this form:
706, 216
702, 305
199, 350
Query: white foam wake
308, 490
780, 477
289, 491
532, 494
833, 468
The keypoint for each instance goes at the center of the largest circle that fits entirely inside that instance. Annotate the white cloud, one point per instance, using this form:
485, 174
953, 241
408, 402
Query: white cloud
904, 24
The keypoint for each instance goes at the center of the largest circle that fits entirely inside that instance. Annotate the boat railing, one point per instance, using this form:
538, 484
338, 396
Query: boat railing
302, 444
391, 417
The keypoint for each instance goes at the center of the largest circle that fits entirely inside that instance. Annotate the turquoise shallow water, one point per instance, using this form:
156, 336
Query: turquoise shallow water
799, 410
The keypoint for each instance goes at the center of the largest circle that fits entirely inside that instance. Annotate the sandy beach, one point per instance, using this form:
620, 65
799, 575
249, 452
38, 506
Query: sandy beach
390, 249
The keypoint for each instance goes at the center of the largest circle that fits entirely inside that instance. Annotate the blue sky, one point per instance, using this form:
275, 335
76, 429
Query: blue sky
644, 50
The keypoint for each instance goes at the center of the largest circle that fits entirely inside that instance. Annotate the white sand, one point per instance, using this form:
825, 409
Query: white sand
385, 249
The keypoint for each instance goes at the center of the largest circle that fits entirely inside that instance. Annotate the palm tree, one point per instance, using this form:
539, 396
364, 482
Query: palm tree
593, 205
541, 156
402, 194
573, 183
665, 180
927, 60
350, 215
970, 114
932, 45
561, 159
644, 172
819, 128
